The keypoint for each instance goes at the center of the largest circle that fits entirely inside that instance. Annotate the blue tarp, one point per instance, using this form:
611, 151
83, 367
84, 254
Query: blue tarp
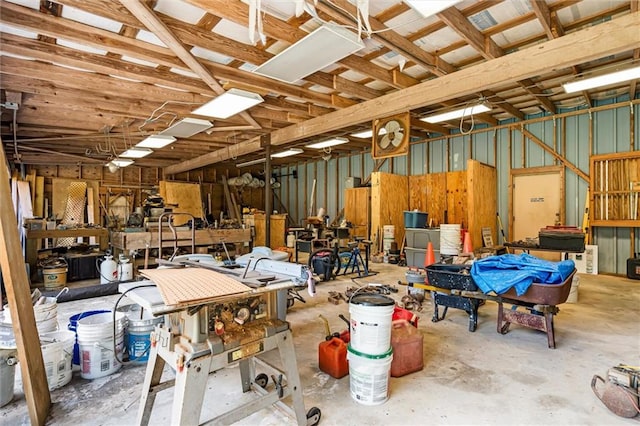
500, 273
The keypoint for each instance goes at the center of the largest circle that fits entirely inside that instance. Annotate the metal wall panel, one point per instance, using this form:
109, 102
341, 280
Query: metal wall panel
611, 133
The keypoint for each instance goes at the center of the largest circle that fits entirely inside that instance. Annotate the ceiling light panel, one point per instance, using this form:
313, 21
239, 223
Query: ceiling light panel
321, 48
327, 143
156, 141
287, 153
136, 152
602, 80
430, 7
187, 127
229, 103
122, 162
458, 113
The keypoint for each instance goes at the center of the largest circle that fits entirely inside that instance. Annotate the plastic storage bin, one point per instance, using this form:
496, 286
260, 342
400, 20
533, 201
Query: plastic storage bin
415, 219
415, 257
420, 238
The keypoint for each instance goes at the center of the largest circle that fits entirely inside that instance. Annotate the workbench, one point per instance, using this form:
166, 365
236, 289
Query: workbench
126, 241
40, 234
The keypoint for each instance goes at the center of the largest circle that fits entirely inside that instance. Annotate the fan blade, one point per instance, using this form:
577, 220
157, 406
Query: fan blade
398, 136
392, 126
385, 141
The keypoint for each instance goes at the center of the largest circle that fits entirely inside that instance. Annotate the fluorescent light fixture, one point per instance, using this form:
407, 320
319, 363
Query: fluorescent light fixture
136, 152
156, 141
187, 127
602, 80
428, 8
327, 143
325, 46
368, 133
122, 162
251, 163
458, 113
287, 153
229, 103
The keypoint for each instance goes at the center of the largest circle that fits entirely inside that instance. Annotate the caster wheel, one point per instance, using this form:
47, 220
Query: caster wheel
262, 380
313, 416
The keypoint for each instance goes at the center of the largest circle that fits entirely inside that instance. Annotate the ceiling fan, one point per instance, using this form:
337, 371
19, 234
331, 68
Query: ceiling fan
390, 136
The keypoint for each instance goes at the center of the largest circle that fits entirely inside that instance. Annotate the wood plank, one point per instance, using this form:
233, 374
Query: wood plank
186, 196
457, 198
14, 274
436, 198
482, 200
38, 207
389, 200
24, 199
357, 210
204, 237
278, 224
91, 212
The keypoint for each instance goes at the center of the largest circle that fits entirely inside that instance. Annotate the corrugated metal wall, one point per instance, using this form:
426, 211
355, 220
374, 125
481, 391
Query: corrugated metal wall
567, 135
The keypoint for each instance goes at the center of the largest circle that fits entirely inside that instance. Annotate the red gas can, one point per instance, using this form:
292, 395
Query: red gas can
406, 341
332, 357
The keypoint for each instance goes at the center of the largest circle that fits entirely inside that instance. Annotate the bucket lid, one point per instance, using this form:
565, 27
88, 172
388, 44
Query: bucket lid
367, 299
363, 355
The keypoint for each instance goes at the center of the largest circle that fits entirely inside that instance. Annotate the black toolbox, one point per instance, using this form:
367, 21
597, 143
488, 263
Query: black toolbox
633, 268
569, 238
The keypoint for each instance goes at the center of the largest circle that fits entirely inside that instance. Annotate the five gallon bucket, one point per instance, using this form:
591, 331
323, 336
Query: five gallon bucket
450, 239
371, 323
7, 375
46, 315
73, 323
100, 348
140, 324
369, 376
54, 278
57, 354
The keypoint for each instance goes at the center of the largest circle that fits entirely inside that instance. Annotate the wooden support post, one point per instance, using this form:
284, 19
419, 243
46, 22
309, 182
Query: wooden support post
14, 274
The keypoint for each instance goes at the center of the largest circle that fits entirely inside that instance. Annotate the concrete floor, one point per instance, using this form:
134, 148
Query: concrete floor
468, 378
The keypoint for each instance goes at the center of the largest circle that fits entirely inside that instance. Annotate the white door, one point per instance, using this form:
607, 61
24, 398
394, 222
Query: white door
536, 204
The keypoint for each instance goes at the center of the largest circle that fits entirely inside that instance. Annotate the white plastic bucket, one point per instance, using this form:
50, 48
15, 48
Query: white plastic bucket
140, 324
46, 315
370, 319
7, 375
369, 376
57, 354
573, 293
450, 239
100, 348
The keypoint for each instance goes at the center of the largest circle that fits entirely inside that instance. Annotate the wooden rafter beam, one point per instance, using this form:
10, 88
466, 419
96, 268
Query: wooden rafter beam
344, 12
145, 14
608, 38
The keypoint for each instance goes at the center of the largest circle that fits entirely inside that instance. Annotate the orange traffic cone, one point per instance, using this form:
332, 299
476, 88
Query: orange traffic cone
429, 258
467, 247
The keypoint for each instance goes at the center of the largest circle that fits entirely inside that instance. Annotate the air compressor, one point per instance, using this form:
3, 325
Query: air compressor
619, 392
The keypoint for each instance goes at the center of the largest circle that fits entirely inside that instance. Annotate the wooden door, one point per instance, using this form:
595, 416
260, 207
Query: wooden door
538, 200
357, 210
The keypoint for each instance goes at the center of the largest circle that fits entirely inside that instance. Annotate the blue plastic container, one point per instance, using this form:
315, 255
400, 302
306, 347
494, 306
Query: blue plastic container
73, 323
413, 219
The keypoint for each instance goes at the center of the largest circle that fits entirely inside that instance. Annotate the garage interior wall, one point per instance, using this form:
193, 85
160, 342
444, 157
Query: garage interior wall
569, 132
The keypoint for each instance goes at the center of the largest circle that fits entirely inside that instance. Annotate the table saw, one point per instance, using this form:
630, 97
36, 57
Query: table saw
202, 336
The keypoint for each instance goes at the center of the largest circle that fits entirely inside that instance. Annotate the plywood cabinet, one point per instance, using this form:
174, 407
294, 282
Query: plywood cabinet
278, 227
467, 197
357, 210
